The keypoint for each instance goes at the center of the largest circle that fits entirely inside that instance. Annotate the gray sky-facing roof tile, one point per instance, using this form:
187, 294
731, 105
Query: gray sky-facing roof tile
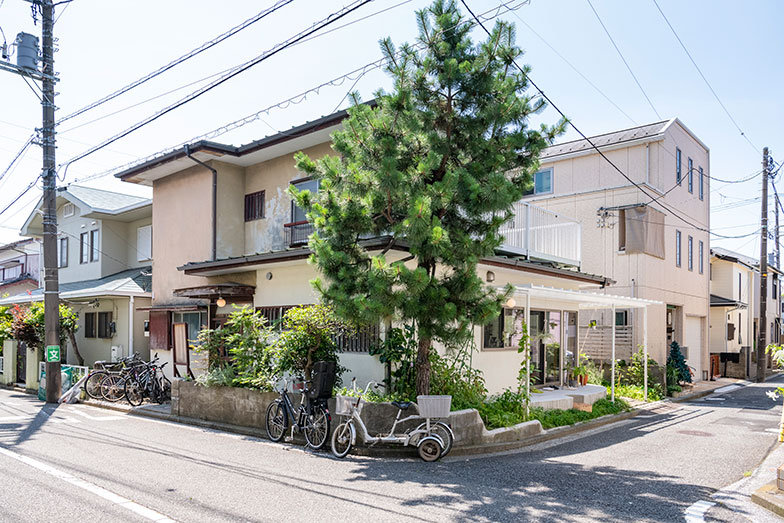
100, 199
603, 140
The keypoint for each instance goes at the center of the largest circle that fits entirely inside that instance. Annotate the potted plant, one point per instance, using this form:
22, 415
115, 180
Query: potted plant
581, 374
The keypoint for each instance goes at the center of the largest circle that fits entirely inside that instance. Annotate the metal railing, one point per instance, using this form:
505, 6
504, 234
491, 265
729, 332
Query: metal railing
541, 234
297, 233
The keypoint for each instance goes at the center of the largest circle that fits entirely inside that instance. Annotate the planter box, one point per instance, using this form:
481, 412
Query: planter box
232, 405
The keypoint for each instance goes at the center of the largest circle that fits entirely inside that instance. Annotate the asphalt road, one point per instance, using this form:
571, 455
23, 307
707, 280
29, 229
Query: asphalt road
76, 462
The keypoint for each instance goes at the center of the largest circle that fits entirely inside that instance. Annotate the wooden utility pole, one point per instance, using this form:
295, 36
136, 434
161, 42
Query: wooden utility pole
778, 233
763, 294
52, 352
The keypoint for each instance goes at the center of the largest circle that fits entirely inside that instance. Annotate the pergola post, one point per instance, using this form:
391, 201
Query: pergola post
612, 319
645, 353
528, 354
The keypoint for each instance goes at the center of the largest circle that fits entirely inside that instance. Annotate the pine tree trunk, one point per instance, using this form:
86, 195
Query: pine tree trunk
423, 366
79, 358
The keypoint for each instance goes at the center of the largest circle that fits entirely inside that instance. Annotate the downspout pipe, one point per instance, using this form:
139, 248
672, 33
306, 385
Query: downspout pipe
214, 201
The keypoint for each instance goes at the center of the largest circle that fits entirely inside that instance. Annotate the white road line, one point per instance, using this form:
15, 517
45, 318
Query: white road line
696, 512
89, 487
715, 399
728, 388
95, 418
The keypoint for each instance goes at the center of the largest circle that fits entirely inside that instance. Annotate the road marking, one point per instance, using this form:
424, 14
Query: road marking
90, 487
728, 388
95, 418
696, 512
715, 399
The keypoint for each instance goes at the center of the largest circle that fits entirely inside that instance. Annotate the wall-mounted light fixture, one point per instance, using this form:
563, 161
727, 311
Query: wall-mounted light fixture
268, 275
220, 302
511, 303
490, 277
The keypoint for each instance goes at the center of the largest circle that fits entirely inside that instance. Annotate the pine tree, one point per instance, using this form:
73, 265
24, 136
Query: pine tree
434, 166
678, 362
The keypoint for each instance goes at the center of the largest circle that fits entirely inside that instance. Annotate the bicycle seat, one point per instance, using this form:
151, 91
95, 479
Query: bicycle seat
402, 405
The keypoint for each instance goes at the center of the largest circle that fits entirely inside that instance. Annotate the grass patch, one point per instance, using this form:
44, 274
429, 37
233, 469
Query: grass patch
559, 418
635, 392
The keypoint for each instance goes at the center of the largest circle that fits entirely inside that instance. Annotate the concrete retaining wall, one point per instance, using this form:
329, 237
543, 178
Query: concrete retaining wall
248, 408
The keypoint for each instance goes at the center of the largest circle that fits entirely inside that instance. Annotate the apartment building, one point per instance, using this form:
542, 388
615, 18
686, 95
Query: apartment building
655, 250
20, 266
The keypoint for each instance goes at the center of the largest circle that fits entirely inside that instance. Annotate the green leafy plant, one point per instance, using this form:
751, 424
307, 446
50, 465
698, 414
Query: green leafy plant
454, 377
398, 352
777, 355
28, 326
434, 168
503, 410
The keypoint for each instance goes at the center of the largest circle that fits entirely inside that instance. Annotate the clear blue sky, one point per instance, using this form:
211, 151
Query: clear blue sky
105, 45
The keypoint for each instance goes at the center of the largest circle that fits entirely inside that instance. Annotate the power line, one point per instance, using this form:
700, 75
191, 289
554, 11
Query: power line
190, 54
284, 104
743, 134
587, 139
235, 71
624, 59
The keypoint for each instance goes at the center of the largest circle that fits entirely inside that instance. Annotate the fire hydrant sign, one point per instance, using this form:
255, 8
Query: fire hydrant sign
52, 353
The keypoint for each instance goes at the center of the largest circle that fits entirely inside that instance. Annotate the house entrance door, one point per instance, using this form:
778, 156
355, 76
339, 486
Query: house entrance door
21, 363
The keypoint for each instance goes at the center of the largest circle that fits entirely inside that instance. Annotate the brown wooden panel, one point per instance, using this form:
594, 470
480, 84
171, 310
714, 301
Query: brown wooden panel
160, 330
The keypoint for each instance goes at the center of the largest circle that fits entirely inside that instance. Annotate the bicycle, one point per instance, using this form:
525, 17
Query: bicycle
93, 385
148, 384
433, 440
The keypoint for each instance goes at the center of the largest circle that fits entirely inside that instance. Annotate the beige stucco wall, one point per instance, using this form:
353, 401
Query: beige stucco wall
274, 177
230, 240
575, 182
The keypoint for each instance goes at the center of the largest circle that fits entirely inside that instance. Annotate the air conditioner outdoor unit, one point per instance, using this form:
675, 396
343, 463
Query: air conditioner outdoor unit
117, 351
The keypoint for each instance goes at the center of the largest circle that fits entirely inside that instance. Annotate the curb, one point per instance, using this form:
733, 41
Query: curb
769, 497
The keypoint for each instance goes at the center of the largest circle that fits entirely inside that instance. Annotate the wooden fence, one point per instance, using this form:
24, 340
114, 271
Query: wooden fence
596, 343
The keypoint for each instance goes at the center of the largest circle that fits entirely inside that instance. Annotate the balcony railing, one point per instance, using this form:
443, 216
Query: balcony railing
296, 233
541, 234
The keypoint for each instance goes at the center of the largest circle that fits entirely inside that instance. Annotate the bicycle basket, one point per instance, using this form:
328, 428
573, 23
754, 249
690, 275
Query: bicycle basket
343, 405
434, 406
324, 375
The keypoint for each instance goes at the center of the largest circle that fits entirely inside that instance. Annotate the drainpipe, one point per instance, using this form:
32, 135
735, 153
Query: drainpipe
647, 164
214, 201
130, 325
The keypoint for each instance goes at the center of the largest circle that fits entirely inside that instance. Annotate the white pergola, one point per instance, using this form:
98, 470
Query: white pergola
585, 300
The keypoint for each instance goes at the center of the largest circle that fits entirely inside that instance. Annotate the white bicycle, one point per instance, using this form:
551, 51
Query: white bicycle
433, 440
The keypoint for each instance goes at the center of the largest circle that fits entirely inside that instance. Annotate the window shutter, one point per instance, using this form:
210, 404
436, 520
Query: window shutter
160, 330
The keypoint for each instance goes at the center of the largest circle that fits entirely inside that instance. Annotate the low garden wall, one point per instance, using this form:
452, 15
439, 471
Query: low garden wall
248, 408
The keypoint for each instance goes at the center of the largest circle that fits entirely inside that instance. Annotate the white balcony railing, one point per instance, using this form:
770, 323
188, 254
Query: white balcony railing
541, 234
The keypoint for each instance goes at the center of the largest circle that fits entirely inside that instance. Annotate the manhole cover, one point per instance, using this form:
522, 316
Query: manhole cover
695, 433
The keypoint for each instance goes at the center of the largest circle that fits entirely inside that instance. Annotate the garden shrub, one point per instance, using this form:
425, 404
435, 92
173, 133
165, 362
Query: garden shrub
503, 410
678, 362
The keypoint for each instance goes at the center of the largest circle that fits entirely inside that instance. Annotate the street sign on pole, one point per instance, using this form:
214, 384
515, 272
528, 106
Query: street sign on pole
53, 354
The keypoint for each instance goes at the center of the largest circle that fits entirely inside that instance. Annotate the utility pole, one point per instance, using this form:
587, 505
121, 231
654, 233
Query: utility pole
51, 283
778, 231
763, 295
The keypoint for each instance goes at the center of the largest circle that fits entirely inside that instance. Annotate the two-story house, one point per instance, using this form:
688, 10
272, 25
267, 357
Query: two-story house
20, 266
656, 250
227, 233
735, 312
104, 252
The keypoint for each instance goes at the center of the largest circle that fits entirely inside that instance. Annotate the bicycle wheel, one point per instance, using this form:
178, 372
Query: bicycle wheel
113, 388
429, 448
165, 389
92, 386
317, 428
276, 420
443, 431
134, 392
343, 439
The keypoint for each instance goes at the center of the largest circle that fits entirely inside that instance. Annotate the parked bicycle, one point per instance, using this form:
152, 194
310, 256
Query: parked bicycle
433, 439
94, 385
149, 383
312, 417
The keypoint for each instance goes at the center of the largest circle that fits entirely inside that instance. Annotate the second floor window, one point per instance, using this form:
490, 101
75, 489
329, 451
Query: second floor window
677, 166
690, 174
677, 248
702, 185
700, 260
297, 214
89, 246
254, 206
62, 252
543, 183
691, 253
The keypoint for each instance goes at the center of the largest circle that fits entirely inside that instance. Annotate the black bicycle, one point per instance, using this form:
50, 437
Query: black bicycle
312, 417
150, 383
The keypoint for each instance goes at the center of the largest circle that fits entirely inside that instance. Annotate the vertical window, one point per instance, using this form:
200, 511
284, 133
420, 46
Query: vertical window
701, 258
144, 243
543, 182
691, 253
702, 184
94, 245
89, 325
62, 252
677, 248
677, 166
254, 206
690, 174
740, 287
105, 325
297, 214
84, 247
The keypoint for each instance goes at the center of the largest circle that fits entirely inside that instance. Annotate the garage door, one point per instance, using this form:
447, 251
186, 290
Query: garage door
692, 338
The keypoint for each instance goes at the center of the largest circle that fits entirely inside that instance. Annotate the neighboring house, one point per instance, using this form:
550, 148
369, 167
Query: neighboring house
645, 248
19, 267
227, 233
104, 256
735, 312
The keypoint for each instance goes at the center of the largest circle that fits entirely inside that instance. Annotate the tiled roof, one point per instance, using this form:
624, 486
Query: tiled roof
102, 200
131, 281
603, 140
